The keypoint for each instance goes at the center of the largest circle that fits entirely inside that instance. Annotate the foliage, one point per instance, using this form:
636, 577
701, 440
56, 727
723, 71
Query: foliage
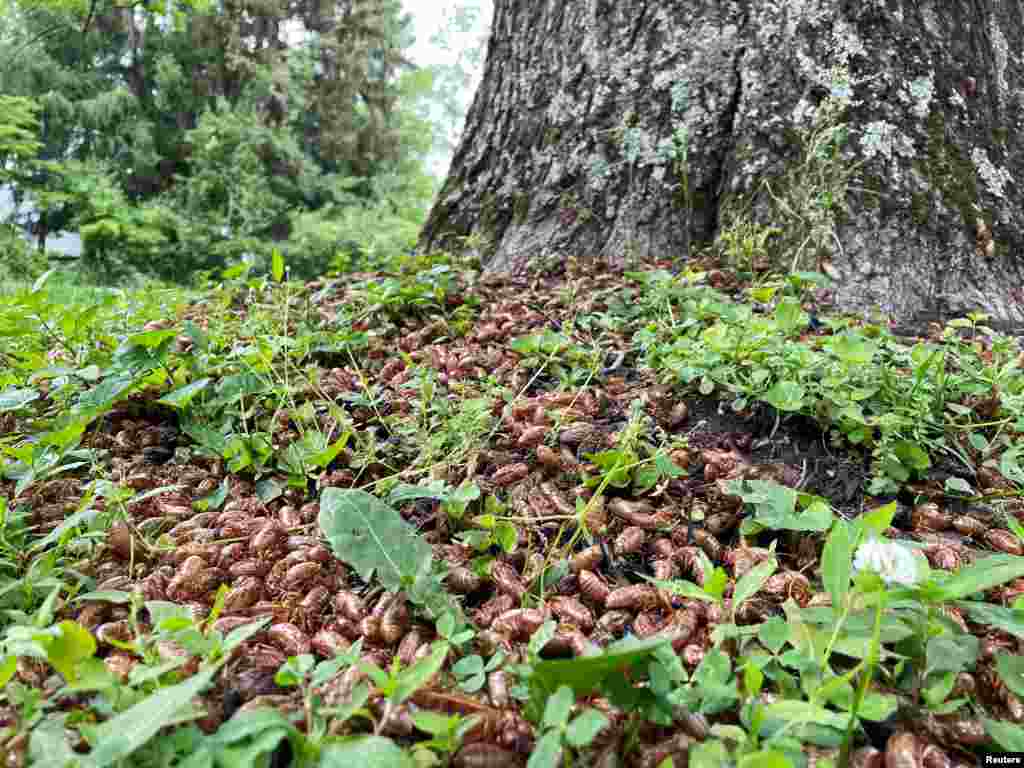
19, 144
185, 139
846, 381
341, 395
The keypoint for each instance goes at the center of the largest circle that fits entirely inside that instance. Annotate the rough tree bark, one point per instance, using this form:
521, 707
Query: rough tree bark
567, 148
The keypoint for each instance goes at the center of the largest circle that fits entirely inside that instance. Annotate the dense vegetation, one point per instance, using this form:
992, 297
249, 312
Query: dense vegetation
179, 138
354, 505
329, 502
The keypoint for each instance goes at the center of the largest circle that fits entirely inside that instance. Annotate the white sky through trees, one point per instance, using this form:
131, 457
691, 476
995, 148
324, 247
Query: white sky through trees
428, 18
431, 18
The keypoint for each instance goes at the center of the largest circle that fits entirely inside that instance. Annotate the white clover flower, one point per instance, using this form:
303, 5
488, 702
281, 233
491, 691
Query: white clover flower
895, 563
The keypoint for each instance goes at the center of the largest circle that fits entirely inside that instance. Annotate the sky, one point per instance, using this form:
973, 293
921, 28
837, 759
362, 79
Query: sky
428, 17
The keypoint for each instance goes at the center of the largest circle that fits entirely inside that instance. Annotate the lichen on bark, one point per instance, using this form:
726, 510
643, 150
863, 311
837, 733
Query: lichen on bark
581, 100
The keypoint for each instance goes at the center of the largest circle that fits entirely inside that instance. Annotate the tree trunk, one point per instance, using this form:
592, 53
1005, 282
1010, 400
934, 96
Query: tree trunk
573, 145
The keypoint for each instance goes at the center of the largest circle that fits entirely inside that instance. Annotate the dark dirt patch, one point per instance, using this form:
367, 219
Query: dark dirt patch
835, 473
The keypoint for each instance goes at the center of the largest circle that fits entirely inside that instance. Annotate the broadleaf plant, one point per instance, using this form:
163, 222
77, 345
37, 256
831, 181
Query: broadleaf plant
372, 537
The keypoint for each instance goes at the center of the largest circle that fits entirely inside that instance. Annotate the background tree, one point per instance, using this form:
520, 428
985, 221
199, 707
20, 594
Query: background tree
882, 141
19, 164
228, 119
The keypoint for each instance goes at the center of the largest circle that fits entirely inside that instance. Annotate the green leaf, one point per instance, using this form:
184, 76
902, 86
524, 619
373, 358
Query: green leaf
49, 744
506, 535
435, 489
41, 280
470, 665
753, 679
12, 399
106, 596
947, 653
709, 754
836, 563
958, 485
877, 707
465, 493
446, 626
71, 646
796, 712
556, 712
1009, 465
372, 537
546, 751
294, 670
1015, 525
912, 455
93, 675
144, 673
877, 520
852, 348
420, 673
938, 689
1007, 619
168, 616
978, 442
183, 396
586, 674
585, 727
365, 752
151, 339
682, 588
775, 506
789, 316
431, 722
120, 736
379, 676
773, 633
330, 453
765, 758
749, 584
714, 669
645, 478
716, 582
1011, 671
276, 265
7, 669
981, 575
1009, 736
785, 396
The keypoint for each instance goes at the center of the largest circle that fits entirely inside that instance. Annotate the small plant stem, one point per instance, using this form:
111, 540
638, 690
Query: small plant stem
981, 425
865, 681
835, 632
385, 716
545, 519
307, 705
366, 388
